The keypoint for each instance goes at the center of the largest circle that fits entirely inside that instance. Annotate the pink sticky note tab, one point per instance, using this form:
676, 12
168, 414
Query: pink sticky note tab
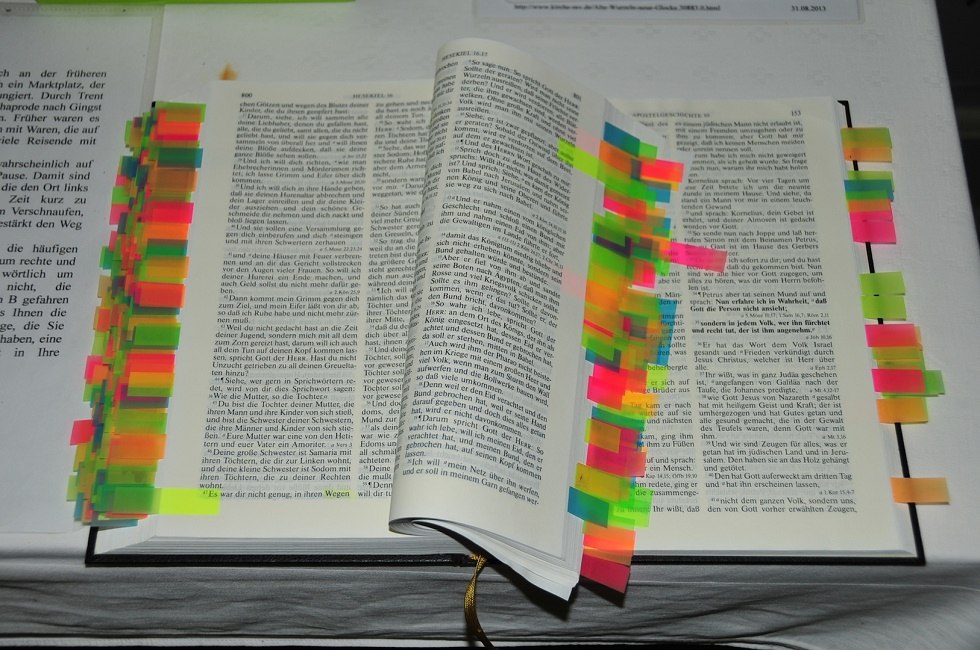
609, 574
891, 335
82, 431
873, 232
625, 462
116, 212
709, 259
604, 393
898, 380
169, 211
875, 215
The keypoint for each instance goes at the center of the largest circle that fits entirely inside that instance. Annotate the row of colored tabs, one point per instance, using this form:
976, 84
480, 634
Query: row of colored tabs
129, 375
900, 376
626, 337
869, 193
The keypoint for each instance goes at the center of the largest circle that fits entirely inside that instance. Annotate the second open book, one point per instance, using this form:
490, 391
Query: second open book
387, 350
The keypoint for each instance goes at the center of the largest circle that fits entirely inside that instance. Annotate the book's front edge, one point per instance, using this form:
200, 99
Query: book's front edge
803, 560
124, 559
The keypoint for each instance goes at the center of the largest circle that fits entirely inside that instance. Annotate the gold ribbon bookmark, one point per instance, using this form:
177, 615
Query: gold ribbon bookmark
469, 602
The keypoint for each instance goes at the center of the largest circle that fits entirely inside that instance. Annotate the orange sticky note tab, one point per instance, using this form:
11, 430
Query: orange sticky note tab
902, 410
159, 294
868, 154
664, 170
609, 537
136, 447
920, 490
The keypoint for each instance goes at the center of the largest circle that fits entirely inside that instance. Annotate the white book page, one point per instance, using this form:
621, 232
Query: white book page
289, 373
768, 430
490, 412
492, 424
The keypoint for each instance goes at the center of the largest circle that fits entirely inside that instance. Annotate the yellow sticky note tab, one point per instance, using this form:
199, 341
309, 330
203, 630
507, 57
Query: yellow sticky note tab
601, 484
920, 490
870, 144
602, 434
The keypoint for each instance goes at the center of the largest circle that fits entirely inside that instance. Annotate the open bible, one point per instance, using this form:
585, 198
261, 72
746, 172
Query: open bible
382, 350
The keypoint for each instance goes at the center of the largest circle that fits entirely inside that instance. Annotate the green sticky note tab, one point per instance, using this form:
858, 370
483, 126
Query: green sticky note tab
891, 282
156, 336
633, 512
139, 419
887, 307
120, 195
130, 475
864, 137
657, 378
128, 499
188, 501
934, 382
179, 157
618, 419
610, 260
872, 175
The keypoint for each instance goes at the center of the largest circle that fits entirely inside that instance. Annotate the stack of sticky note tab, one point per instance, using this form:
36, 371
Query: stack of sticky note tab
869, 193
129, 375
900, 376
626, 336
